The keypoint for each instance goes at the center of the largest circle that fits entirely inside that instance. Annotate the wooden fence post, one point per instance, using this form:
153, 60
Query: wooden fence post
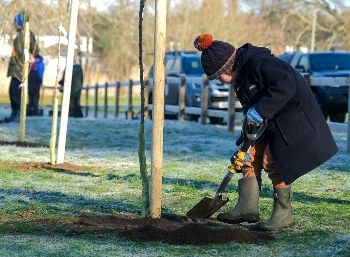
105, 113
231, 109
348, 135
182, 98
146, 101
117, 93
87, 101
96, 100
42, 89
205, 93
129, 112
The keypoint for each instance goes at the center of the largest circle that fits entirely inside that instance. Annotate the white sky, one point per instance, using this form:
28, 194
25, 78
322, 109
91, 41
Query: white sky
101, 5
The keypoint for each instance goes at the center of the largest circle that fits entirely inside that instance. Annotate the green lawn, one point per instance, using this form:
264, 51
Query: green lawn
194, 161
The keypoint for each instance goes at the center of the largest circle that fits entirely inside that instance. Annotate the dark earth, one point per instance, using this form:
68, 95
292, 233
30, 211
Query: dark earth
170, 228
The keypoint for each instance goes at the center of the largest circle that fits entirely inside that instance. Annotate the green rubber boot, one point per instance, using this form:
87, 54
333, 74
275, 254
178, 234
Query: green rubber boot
282, 211
246, 209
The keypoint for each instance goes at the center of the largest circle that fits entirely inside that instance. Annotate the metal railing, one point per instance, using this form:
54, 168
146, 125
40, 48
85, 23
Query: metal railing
204, 112
181, 109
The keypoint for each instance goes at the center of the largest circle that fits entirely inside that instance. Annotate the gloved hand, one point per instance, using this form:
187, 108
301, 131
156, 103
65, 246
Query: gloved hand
254, 117
234, 156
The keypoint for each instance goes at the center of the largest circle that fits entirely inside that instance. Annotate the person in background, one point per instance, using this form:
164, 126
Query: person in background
297, 139
35, 79
15, 68
75, 93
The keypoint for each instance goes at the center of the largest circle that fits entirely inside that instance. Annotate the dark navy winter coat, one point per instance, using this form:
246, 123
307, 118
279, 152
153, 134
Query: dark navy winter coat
299, 137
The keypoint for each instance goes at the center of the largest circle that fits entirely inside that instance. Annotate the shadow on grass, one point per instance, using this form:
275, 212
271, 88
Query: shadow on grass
74, 204
265, 191
303, 198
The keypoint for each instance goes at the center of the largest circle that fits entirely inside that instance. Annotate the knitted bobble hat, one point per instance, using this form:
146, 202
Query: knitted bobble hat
19, 19
217, 56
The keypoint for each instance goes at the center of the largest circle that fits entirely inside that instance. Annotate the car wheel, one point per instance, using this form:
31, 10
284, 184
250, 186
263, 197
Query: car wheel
335, 116
216, 120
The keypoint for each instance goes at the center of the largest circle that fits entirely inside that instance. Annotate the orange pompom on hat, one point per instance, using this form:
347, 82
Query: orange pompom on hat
217, 56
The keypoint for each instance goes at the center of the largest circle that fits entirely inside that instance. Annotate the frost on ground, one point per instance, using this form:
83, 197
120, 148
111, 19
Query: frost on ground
115, 140
169, 228
114, 143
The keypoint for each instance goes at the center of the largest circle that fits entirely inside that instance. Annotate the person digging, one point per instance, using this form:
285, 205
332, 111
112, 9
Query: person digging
297, 138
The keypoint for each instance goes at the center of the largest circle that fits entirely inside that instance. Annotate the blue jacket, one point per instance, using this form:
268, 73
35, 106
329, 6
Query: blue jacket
40, 67
35, 76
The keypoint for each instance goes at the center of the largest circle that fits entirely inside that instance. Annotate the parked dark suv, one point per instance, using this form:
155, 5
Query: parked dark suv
189, 64
333, 99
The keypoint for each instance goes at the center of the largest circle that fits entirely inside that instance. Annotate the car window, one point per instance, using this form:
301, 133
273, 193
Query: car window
322, 62
177, 65
285, 57
343, 62
304, 63
334, 61
193, 65
169, 64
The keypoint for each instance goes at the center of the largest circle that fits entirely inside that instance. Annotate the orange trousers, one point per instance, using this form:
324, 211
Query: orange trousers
260, 158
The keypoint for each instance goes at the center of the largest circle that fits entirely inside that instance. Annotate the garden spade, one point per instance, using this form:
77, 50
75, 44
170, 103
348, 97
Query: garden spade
209, 205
